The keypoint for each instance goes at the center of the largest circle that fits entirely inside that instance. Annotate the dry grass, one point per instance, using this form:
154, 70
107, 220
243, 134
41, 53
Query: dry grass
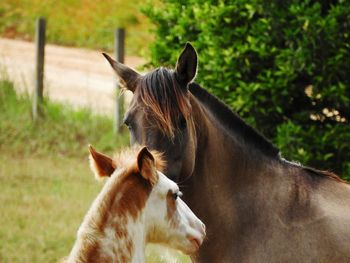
85, 23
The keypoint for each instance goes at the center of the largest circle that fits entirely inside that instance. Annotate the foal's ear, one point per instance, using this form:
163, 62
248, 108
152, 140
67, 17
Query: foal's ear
186, 66
146, 166
101, 165
128, 76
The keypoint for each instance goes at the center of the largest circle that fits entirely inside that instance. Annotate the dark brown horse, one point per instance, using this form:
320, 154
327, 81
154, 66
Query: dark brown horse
257, 206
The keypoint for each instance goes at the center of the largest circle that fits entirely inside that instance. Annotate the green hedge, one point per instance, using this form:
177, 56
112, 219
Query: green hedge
282, 65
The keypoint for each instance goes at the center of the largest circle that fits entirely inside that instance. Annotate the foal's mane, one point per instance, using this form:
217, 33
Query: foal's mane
126, 158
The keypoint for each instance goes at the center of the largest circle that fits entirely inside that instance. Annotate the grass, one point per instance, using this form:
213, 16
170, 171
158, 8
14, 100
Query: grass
46, 184
60, 132
85, 23
43, 202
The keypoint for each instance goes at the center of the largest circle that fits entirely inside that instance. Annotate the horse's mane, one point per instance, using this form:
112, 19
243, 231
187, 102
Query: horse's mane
312, 171
328, 174
232, 122
164, 99
235, 124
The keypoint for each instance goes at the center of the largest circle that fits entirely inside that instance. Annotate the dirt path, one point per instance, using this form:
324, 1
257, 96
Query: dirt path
79, 77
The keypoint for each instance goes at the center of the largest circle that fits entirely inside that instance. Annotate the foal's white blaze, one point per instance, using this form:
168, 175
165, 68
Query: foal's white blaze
170, 221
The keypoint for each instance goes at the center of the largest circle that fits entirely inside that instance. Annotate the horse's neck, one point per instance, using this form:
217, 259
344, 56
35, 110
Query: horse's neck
229, 140
230, 159
229, 155
225, 166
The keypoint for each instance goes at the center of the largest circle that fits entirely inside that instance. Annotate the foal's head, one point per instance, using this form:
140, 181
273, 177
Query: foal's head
160, 114
151, 198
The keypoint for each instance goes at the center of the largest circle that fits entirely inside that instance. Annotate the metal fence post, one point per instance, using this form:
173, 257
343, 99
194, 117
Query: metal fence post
39, 67
119, 40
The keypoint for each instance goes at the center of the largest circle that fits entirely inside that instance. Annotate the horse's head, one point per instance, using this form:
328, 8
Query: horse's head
167, 219
160, 113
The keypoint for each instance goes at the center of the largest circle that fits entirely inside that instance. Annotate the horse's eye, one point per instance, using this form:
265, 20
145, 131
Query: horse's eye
182, 123
128, 124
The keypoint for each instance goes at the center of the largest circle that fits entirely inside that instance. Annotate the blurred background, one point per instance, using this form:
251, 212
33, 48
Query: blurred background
281, 65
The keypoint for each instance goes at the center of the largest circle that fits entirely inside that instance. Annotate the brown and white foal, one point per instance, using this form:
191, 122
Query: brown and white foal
138, 204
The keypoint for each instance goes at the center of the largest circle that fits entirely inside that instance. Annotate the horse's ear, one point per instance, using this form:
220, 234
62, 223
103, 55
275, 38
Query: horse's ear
101, 165
186, 66
146, 165
128, 77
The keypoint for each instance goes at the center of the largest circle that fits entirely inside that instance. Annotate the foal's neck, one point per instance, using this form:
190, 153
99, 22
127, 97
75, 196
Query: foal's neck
124, 244
113, 243
113, 229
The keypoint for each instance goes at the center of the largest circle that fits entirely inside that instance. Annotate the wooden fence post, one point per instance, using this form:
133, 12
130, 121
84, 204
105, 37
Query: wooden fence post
119, 41
39, 67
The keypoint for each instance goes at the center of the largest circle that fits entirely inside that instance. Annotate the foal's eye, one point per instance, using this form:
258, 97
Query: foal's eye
176, 195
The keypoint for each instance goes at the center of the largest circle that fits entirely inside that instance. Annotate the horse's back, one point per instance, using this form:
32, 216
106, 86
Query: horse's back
322, 234
334, 201
311, 224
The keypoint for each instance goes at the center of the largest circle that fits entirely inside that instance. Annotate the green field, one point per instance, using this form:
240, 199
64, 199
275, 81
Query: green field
83, 23
46, 183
